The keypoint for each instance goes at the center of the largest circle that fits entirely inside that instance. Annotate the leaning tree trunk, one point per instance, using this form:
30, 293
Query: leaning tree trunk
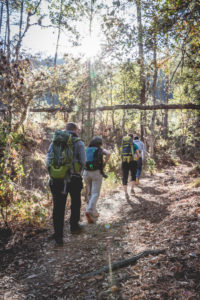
142, 71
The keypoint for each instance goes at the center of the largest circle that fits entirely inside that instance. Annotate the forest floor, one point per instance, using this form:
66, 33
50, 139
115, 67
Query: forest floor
164, 214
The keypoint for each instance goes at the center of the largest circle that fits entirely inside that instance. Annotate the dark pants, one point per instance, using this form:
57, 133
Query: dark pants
139, 167
126, 167
59, 201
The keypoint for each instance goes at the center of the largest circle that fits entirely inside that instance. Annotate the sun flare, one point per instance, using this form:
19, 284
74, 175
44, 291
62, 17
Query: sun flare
91, 46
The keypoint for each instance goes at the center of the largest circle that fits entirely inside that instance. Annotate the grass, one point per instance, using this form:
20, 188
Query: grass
195, 183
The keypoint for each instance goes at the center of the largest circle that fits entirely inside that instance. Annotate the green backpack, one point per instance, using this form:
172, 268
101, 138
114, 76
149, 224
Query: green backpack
62, 155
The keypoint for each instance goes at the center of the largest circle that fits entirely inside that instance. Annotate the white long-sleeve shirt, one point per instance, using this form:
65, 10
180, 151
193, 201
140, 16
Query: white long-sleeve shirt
141, 148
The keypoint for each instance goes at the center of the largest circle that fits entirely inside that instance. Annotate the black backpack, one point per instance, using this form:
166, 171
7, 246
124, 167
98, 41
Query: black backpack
94, 158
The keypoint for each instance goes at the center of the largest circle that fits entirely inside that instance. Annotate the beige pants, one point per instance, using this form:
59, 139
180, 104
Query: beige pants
93, 181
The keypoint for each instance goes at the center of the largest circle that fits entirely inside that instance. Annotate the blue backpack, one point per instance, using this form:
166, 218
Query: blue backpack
94, 158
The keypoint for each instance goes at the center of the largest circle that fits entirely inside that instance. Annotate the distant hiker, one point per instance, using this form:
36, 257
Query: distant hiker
130, 155
140, 161
65, 161
93, 175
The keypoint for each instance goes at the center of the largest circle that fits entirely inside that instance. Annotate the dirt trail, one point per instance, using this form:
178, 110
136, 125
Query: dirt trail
163, 213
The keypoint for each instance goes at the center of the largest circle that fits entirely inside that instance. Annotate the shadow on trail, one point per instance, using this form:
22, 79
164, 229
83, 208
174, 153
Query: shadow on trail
149, 210
152, 190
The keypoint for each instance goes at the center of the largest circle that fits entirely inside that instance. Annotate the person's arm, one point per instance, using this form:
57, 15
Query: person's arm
82, 156
138, 154
49, 156
143, 151
106, 153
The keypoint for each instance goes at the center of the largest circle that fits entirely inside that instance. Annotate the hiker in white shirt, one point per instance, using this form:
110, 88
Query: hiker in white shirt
140, 161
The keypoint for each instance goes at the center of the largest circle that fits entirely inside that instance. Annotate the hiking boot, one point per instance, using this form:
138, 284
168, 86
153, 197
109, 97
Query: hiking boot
127, 196
89, 217
78, 229
132, 192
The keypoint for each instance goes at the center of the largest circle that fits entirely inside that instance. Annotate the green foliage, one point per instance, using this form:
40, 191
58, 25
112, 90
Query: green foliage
23, 208
16, 204
195, 183
11, 169
28, 211
150, 165
114, 163
111, 183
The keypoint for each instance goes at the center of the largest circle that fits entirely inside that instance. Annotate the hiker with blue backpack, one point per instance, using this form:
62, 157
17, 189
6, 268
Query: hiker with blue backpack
65, 162
93, 175
130, 154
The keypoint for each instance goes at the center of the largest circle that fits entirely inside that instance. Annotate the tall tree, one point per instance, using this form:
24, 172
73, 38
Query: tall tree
59, 31
142, 65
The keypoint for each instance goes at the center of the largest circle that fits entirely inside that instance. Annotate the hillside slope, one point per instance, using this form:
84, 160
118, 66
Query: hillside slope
163, 214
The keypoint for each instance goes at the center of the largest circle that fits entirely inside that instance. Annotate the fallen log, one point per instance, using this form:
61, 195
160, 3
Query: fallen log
123, 263
115, 107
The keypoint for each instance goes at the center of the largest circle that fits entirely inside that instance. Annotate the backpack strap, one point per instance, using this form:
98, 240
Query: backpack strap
76, 165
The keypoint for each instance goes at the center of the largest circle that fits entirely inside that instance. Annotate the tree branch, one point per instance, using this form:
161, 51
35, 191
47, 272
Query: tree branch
124, 262
117, 107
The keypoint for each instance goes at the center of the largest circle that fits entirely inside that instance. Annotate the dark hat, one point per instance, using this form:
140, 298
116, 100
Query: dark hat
96, 141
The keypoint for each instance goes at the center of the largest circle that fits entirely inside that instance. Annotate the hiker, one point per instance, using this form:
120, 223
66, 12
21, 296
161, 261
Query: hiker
140, 161
93, 175
70, 184
130, 155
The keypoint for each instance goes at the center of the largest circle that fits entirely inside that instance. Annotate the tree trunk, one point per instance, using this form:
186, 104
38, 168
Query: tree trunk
8, 30
5, 40
89, 72
124, 114
94, 122
59, 32
123, 122
141, 63
90, 91
1, 15
152, 137
111, 102
94, 117
166, 100
20, 30
22, 119
165, 121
